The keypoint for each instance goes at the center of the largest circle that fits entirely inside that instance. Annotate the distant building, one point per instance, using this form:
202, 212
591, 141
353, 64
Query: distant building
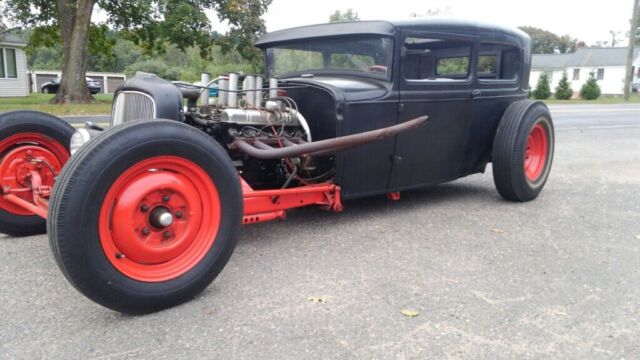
109, 82
13, 66
607, 64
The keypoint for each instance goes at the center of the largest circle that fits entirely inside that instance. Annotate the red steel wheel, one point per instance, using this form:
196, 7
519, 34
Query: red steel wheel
23, 154
523, 151
33, 151
145, 216
536, 153
159, 219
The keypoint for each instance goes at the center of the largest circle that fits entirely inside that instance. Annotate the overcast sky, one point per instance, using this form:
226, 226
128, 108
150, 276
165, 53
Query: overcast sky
589, 21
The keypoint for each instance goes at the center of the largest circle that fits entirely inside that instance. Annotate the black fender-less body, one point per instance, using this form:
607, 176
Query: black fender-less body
462, 75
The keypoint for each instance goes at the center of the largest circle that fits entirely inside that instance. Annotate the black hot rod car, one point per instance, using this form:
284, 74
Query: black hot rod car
145, 215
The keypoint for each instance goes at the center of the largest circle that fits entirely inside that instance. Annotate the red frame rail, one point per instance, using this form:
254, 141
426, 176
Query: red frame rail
259, 205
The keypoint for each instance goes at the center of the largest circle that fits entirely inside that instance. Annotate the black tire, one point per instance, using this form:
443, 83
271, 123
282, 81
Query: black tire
18, 122
512, 181
46, 90
83, 186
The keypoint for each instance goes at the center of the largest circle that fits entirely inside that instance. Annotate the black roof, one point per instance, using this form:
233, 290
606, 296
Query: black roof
384, 28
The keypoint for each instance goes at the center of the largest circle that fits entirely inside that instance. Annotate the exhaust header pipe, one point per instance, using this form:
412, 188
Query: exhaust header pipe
259, 149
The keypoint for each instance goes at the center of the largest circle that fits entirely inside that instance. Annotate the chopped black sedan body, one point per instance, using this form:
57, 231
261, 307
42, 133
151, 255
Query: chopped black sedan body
464, 107
145, 215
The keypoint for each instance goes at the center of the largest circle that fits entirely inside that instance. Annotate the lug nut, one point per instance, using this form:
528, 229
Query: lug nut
144, 208
179, 214
167, 234
166, 198
145, 231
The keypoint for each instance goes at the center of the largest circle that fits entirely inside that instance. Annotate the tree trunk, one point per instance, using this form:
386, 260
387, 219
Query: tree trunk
75, 20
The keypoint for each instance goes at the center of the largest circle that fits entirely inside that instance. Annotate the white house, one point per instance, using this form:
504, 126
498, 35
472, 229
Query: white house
607, 64
13, 67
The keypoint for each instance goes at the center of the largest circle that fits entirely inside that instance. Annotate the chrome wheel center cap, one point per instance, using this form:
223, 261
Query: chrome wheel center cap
161, 218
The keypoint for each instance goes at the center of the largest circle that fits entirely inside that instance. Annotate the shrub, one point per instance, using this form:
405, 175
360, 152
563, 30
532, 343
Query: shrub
543, 89
591, 90
564, 91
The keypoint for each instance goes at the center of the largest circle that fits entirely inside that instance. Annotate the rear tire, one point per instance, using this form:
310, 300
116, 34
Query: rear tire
523, 151
23, 128
102, 222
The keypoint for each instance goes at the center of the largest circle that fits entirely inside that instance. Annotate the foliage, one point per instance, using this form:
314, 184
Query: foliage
453, 66
546, 42
150, 24
563, 90
435, 12
543, 88
343, 16
591, 90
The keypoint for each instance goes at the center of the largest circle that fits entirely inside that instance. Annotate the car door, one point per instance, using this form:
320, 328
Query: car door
436, 80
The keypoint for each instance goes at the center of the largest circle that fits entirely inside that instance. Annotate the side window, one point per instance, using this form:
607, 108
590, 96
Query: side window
431, 59
499, 62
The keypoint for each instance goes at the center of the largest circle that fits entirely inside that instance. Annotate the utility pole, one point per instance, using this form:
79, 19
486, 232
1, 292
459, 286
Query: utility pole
632, 38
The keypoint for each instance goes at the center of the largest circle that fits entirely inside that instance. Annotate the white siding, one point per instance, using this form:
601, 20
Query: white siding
555, 75
612, 84
19, 86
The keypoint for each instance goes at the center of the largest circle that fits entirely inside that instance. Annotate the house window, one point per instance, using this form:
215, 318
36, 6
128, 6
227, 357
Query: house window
576, 74
600, 74
8, 68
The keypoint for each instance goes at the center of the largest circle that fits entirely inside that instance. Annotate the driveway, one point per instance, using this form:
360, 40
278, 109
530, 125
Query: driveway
557, 278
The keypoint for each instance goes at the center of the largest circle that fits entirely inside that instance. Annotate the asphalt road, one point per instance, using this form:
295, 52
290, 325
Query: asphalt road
558, 278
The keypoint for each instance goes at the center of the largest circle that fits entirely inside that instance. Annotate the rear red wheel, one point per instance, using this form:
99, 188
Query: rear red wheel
536, 152
159, 219
523, 151
33, 151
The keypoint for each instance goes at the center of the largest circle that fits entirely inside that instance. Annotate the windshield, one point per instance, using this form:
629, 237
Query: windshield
360, 55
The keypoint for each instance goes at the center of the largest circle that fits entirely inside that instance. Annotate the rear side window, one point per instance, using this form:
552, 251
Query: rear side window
499, 62
430, 59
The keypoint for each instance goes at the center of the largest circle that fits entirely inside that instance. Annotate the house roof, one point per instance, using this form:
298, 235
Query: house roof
8, 38
591, 57
550, 61
583, 57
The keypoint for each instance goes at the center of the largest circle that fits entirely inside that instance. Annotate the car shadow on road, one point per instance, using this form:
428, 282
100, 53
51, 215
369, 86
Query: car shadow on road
434, 196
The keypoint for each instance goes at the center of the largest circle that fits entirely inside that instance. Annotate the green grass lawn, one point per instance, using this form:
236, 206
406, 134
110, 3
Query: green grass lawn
635, 99
40, 102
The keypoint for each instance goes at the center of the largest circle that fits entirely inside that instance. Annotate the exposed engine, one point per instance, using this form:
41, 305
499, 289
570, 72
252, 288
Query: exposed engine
232, 108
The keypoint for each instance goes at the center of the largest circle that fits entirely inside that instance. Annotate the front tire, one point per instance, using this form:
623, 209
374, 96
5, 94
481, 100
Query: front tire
145, 216
523, 151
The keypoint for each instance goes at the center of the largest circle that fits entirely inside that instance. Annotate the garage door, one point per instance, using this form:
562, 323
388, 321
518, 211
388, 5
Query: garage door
114, 83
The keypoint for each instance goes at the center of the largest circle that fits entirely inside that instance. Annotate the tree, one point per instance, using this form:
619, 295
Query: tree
432, 13
344, 16
149, 23
543, 89
563, 90
546, 42
591, 90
